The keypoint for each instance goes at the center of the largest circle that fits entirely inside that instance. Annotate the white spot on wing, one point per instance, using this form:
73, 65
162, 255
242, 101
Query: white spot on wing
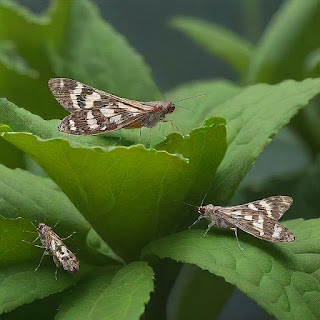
267, 206
252, 207
90, 115
107, 112
93, 126
259, 224
276, 231
115, 118
91, 121
248, 217
61, 83
237, 213
53, 245
72, 125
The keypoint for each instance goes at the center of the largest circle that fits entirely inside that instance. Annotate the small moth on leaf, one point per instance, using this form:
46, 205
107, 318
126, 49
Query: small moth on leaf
94, 111
258, 218
53, 245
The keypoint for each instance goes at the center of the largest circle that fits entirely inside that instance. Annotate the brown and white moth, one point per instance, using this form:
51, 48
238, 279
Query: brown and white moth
94, 111
53, 244
258, 218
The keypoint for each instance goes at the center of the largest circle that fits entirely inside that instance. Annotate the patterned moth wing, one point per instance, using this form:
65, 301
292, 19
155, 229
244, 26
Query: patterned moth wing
61, 255
258, 218
94, 111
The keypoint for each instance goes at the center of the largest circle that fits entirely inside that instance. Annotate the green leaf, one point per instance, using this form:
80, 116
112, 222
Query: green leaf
191, 296
120, 190
202, 148
47, 306
38, 200
254, 116
24, 195
20, 284
282, 278
216, 40
110, 294
70, 40
287, 41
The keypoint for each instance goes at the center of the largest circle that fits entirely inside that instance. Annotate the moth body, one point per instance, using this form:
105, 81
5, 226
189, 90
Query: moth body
93, 111
53, 244
258, 218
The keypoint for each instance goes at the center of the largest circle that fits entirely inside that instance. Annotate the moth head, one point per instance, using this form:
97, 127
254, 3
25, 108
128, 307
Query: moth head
202, 210
42, 227
171, 107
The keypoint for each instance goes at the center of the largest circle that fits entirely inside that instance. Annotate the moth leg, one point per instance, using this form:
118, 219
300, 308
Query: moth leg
199, 218
210, 225
150, 139
172, 123
140, 135
36, 245
69, 236
236, 234
56, 273
44, 253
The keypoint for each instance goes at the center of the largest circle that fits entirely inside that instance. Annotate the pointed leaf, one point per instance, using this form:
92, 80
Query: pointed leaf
216, 40
254, 116
122, 190
286, 43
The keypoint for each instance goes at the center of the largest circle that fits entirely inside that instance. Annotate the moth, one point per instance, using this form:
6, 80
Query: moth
53, 245
258, 218
94, 111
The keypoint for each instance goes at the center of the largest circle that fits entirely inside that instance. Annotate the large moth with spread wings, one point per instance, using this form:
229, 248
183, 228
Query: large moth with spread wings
258, 218
94, 111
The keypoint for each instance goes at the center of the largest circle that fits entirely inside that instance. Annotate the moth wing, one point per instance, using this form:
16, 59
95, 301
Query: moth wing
74, 95
258, 224
273, 207
98, 120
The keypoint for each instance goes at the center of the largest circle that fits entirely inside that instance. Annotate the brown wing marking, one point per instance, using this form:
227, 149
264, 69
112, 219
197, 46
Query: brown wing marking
97, 120
74, 95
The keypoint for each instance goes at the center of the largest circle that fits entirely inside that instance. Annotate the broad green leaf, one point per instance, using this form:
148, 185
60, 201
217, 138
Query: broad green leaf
192, 295
45, 306
38, 199
124, 190
282, 278
216, 40
254, 116
70, 40
13, 250
119, 294
203, 150
289, 38
20, 284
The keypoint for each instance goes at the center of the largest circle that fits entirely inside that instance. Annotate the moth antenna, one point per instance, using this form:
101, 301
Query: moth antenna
198, 95
57, 221
185, 108
188, 204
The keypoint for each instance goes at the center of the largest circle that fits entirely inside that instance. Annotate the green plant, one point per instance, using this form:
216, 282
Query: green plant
123, 197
